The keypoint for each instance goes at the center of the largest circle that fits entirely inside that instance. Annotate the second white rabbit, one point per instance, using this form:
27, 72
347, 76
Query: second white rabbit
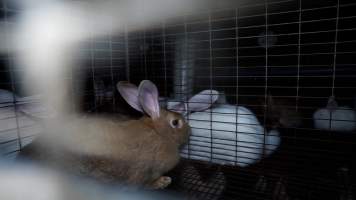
225, 134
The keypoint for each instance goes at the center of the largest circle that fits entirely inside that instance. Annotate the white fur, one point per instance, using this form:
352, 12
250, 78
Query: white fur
341, 119
230, 141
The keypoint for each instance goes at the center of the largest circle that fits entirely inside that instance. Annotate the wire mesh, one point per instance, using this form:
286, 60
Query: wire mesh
299, 52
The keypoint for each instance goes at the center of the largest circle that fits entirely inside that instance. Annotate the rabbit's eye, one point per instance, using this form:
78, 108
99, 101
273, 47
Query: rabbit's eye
176, 123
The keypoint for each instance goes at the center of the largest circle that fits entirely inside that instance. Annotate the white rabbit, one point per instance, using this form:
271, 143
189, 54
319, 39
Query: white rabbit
335, 118
225, 134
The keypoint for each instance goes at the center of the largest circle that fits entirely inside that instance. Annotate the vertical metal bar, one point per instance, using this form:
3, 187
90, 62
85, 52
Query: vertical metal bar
298, 62
12, 77
237, 83
335, 47
73, 102
211, 83
92, 63
185, 99
111, 67
184, 64
127, 54
144, 53
266, 77
164, 58
299, 51
334, 57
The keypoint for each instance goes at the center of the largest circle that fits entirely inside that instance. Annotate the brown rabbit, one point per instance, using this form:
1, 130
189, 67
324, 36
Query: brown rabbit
136, 152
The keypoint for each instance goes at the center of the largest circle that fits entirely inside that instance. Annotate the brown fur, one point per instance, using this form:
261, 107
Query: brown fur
136, 152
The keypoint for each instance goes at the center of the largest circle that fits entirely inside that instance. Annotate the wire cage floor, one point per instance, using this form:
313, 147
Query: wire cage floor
199, 180
305, 174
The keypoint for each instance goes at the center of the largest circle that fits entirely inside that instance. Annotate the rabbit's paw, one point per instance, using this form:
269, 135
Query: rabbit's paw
161, 183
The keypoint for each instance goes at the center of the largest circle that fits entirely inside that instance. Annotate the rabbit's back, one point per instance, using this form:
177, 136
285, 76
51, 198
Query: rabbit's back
106, 150
138, 154
226, 121
340, 119
226, 134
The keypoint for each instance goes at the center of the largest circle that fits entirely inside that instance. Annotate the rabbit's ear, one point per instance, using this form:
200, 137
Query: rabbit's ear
130, 93
203, 100
148, 98
177, 107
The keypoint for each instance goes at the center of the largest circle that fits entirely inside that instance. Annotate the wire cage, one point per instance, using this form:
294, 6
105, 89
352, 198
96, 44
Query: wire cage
275, 63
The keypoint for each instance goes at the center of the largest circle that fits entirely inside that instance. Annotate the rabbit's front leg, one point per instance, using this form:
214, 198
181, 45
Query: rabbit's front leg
161, 183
